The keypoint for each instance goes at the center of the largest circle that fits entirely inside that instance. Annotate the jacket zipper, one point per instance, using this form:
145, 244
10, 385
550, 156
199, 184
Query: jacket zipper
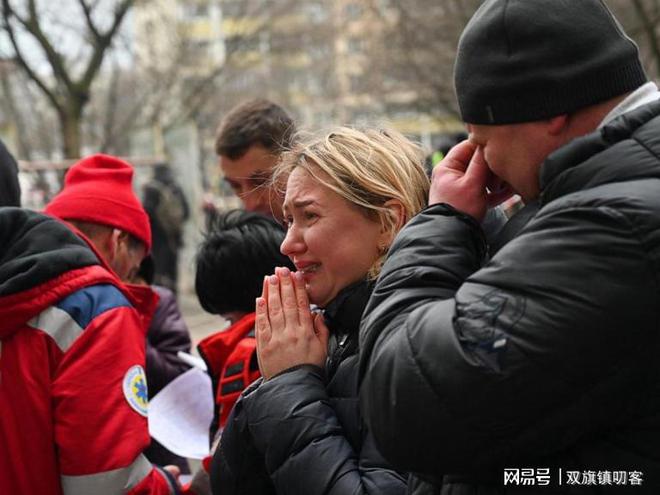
337, 354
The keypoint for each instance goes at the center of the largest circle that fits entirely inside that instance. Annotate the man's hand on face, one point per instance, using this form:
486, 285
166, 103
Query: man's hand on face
463, 180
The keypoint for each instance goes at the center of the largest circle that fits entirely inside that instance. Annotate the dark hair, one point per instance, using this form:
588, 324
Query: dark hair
147, 269
239, 249
256, 121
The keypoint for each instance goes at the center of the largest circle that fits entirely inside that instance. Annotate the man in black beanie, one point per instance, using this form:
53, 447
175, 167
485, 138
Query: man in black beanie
545, 355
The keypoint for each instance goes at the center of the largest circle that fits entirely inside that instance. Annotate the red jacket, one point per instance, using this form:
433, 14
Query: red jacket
231, 358
72, 386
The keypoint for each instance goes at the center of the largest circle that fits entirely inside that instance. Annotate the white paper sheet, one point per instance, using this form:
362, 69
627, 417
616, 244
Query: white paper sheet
181, 413
191, 360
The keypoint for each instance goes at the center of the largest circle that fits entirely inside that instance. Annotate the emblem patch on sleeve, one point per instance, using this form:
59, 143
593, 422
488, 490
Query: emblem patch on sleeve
135, 389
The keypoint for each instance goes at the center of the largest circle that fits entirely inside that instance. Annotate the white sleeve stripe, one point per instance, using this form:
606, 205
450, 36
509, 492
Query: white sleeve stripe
59, 325
108, 482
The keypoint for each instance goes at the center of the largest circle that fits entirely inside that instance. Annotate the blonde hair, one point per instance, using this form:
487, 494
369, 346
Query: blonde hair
365, 167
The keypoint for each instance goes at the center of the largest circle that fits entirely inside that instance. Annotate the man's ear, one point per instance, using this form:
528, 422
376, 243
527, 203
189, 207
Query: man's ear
397, 217
556, 125
113, 241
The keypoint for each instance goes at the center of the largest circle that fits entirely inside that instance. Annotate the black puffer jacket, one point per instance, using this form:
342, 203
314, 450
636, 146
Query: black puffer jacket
301, 432
549, 354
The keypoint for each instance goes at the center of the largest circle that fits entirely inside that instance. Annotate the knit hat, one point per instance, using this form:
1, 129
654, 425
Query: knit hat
98, 189
527, 60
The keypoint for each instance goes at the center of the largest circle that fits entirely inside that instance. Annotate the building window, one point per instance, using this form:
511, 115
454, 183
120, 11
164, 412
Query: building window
319, 50
193, 10
243, 44
316, 12
245, 8
385, 4
355, 83
355, 45
232, 8
353, 11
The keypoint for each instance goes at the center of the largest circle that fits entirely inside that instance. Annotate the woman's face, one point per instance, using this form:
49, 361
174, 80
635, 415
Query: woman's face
328, 239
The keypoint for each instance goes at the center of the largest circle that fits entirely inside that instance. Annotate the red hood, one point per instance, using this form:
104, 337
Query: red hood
142, 297
144, 300
18, 308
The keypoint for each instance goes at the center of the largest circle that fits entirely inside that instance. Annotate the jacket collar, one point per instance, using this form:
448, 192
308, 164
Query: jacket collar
646, 93
595, 159
344, 311
35, 248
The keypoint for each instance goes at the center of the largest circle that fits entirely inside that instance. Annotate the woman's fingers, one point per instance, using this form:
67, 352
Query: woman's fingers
302, 300
275, 314
322, 331
288, 298
286, 333
262, 330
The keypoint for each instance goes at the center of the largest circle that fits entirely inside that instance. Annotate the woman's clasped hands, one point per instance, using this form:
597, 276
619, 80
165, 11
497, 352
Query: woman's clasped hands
287, 332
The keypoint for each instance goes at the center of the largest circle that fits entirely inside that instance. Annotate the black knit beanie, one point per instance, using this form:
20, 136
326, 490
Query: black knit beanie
527, 60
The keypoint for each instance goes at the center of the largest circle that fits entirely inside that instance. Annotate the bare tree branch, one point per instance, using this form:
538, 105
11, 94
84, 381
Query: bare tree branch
16, 116
20, 58
87, 11
102, 42
69, 95
55, 59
